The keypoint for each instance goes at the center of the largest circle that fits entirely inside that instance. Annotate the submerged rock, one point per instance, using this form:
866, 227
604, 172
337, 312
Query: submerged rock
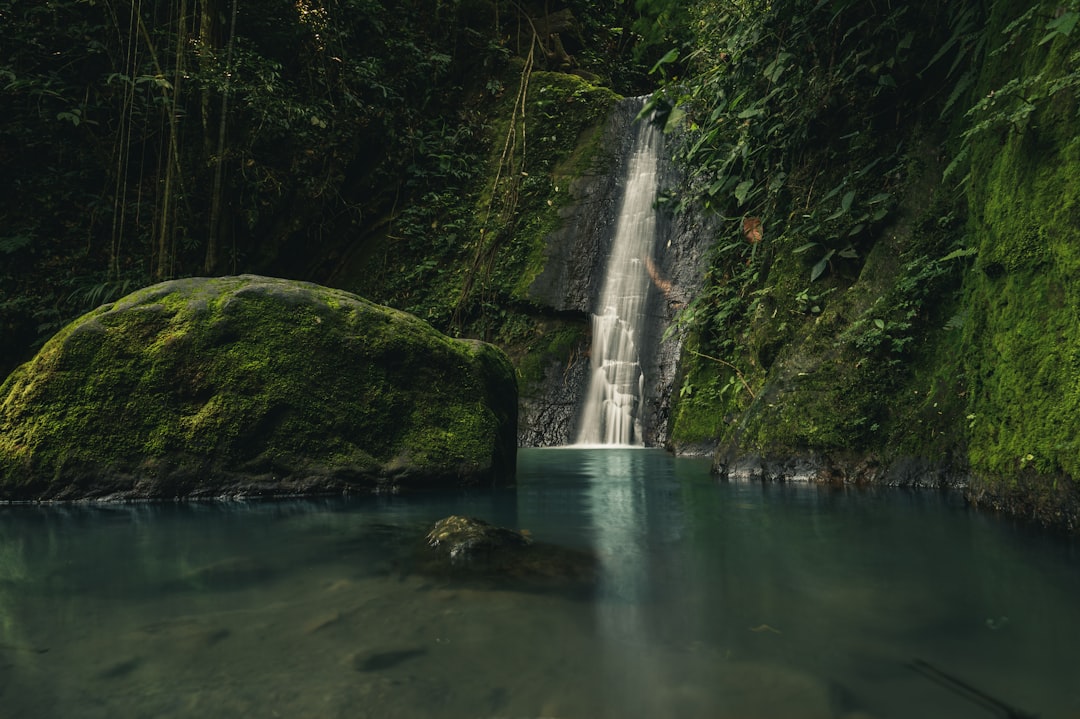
472, 549
253, 386
465, 540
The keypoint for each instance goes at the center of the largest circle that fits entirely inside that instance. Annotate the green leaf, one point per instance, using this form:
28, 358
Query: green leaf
777, 181
674, 119
966, 80
742, 190
118, 77
845, 204
14, 243
944, 49
804, 248
657, 103
955, 254
751, 112
777, 67
957, 161
671, 56
880, 324
870, 166
821, 266
1062, 25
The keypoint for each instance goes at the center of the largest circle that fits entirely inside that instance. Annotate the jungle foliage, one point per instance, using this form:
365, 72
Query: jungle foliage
898, 185
801, 124
143, 140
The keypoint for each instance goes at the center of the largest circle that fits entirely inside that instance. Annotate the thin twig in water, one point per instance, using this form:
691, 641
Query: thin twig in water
967, 691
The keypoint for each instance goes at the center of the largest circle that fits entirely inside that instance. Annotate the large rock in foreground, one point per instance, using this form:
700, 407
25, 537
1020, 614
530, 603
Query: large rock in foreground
253, 386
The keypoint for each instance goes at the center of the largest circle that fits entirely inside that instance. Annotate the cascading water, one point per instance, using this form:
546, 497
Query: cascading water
611, 411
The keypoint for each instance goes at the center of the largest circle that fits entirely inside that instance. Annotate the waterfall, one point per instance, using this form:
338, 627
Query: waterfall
611, 413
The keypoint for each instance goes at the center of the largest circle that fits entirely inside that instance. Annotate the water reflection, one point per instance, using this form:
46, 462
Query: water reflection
622, 526
776, 596
715, 600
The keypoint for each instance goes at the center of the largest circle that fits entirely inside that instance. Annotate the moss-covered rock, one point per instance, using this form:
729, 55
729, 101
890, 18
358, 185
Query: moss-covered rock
253, 386
465, 549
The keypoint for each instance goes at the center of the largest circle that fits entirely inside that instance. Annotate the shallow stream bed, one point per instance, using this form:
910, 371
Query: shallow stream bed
718, 600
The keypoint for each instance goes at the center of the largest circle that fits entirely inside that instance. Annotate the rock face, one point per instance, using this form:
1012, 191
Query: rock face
253, 386
575, 259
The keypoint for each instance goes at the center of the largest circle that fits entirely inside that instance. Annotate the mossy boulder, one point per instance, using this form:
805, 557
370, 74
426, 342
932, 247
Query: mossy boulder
253, 386
466, 540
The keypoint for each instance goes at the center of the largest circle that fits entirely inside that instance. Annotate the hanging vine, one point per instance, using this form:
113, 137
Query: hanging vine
122, 144
214, 229
505, 191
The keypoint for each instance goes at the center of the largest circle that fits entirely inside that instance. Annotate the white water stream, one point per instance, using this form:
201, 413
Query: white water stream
611, 412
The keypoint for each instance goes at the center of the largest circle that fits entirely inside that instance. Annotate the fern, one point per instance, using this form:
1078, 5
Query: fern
14, 243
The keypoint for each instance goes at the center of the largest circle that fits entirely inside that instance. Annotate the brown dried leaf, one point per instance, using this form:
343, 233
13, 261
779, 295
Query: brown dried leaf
751, 227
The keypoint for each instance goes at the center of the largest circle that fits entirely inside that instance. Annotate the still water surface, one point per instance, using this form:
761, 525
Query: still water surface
718, 600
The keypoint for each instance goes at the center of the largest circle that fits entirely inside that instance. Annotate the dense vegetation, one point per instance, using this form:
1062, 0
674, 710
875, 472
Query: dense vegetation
891, 294
152, 139
820, 136
898, 182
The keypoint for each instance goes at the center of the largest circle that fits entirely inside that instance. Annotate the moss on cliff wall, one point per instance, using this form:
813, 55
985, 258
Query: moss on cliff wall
846, 365
1022, 352
559, 141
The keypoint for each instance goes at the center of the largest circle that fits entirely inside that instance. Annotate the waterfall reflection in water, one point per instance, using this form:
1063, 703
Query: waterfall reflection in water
716, 600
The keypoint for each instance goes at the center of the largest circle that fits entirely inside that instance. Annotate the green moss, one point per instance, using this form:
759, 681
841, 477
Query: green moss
440, 438
927, 411
1023, 340
252, 378
708, 399
547, 341
563, 121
